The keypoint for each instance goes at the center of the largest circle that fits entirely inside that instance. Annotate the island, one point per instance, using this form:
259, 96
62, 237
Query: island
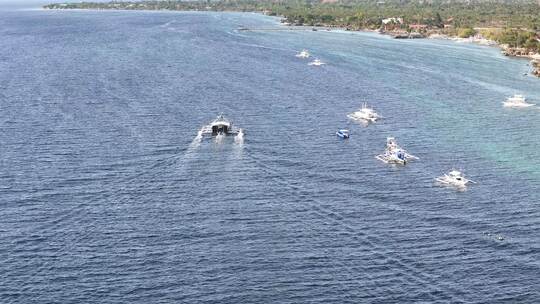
513, 25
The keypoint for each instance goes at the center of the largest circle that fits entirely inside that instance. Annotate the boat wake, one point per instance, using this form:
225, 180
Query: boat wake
239, 138
191, 149
219, 138
196, 142
266, 47
167, 24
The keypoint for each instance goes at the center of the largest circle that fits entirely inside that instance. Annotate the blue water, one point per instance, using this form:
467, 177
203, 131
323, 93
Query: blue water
105, 196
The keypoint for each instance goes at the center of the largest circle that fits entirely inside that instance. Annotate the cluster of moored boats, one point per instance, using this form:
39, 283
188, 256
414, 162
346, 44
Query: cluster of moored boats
393, 153
222, 127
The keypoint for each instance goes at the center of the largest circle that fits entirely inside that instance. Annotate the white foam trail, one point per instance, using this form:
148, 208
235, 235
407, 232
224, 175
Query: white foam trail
196, 142
239, 138
266, 47
219, 138
237, 153
167, 24
191, 151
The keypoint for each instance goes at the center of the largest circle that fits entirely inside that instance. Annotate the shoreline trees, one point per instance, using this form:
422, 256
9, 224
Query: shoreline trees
517, 22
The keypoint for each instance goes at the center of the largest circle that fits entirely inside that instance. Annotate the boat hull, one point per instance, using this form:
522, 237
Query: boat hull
342, 135
513, 105
391, 160
451, 182
443, 182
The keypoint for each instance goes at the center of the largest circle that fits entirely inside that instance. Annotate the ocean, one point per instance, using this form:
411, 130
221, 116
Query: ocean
108, 196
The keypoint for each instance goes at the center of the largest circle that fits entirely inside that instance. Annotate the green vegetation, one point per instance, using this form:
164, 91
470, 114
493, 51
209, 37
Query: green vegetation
514, 38
517, 38
466, 32
517, 22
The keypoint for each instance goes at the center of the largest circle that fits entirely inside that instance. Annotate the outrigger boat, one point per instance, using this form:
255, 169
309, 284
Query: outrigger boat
303, 54
393, 157
517, 101
365, 113
453, 178
343, 133
394, 154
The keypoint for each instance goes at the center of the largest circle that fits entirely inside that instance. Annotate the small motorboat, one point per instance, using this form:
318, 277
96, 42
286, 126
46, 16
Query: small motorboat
316, 62
517, 101
453, 178
303, 54
343, 133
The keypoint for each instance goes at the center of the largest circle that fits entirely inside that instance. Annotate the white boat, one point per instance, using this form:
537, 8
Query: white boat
365, 113
453, 178
517, 101
303, 54
391, 144
394, 154
343, 133
316, 62
220, 127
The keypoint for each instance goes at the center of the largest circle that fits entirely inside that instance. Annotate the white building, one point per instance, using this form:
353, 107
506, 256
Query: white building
392, 20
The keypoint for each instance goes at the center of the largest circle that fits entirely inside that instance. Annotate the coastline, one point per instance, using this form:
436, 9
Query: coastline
399, 33
477, 39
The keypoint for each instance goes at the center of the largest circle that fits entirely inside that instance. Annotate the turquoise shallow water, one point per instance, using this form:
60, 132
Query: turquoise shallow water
106, 197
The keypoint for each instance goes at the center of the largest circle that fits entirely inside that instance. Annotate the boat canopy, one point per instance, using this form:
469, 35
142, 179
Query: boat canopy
455, 173
221, 125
